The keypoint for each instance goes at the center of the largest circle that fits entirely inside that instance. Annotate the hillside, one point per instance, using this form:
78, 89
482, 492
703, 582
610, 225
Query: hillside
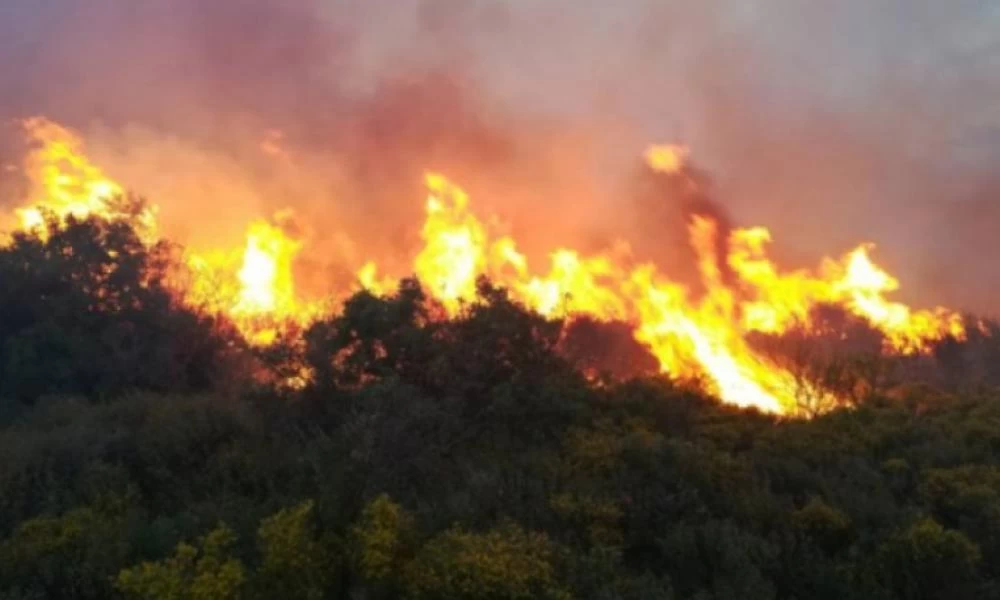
389, 451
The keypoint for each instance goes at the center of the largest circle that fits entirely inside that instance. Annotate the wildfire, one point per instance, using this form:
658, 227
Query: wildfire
454, 251
776, 300
667, 158
701, 337
252, 286
693, 334
65, 183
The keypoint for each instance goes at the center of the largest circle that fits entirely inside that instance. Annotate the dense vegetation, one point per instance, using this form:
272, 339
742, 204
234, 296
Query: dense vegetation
145, 455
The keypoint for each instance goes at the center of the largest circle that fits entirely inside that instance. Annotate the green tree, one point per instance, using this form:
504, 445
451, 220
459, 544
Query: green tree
372, 338
382, 540
826, 526
69, 556
929, 562
87, 311
203, 572
294, 562
507, 563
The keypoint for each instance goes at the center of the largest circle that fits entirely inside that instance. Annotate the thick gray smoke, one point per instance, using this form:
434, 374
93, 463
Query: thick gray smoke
832, 123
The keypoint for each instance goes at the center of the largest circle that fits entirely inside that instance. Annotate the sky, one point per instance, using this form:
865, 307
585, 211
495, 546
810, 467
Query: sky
830, 123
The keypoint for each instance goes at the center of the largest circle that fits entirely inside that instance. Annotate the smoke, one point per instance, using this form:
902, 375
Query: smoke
831, 123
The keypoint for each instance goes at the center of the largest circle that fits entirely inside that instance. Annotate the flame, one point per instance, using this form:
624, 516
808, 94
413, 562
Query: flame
907, 330
667, 158
693, 334
702, 337
576, 285
854, 282
266, 275
64, 181
252, 286
454, 252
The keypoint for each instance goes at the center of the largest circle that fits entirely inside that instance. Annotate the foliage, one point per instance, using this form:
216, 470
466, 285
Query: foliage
86, 311
205, 572
69, 556
928, 561
383, 537
294, 563
491, 454
506, 563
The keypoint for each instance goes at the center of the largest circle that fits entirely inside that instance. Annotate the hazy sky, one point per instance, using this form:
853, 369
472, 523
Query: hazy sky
833, 122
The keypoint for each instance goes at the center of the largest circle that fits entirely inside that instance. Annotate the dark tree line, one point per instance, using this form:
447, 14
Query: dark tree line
86, 312
472, 457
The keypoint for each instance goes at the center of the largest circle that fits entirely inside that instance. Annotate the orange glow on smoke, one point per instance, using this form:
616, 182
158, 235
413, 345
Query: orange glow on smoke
667, 158
692, 335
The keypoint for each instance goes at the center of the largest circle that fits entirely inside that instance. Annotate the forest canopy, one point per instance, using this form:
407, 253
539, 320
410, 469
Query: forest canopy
390, 451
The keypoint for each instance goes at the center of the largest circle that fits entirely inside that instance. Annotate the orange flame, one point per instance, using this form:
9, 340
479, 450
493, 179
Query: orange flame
700, 336
454, 252
667, 158
692, 338
64, 181
778, 300
254, 287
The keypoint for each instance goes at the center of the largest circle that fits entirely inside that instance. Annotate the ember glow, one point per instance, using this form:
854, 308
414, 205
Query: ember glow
692, 333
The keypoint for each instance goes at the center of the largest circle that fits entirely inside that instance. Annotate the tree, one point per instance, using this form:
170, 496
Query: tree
929, 562
506, 563
824, 525
383, 539
835, 359
371, 339
203, 572
68, 556
87, 311
294, 562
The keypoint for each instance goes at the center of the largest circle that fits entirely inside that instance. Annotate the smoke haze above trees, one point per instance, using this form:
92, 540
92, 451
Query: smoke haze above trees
829, 124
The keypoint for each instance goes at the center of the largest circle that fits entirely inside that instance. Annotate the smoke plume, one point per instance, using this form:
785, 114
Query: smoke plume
831, 123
